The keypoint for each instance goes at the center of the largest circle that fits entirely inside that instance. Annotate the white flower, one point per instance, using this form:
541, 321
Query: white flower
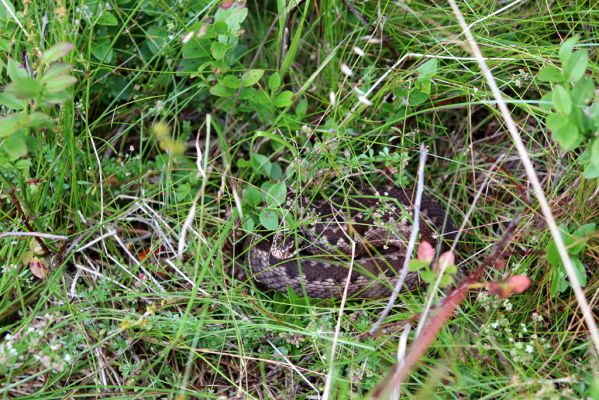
187, 37
364, 100
359, 51
529, 349
347, 70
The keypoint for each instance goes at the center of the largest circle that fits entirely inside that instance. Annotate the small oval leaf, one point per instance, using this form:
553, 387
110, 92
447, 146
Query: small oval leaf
57, 51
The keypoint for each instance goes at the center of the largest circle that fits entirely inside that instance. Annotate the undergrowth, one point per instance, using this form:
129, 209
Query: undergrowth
189, 123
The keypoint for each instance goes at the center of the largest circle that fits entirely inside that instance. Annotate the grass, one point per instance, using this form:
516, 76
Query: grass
123, 315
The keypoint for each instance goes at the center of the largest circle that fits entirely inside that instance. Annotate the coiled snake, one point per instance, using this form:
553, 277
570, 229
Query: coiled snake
314, 257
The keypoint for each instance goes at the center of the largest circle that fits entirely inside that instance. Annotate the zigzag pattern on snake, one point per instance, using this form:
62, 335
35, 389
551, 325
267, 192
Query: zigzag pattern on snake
314, 258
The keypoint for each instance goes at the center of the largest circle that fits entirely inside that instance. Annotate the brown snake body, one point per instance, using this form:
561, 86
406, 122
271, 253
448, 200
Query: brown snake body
315, 257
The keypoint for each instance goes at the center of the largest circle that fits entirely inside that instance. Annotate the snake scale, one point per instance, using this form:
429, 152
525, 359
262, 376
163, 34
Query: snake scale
314, 256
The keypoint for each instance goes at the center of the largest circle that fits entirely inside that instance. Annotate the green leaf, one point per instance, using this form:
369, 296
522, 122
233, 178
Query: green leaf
428, 275
561, 100
55, 98
107, 19
261, 164
233, 16
276, 195
591, 171
15, 147
252, 197
594, 146
428, 69
219, 50
549, 73
231, 81
274, 82
56, 70
565, 52
552, 254
546, 103
11, 123
248, 225
57, 52
568, 136
583, 91
416, 265
556, 121
7, 10
276, 172
102, 50
15, 70
301, 108
156, 38
24, 88
417, 97
221, 27
580, 238
196, 48
580, 271
60, 83
221, 90
269, 219
252, 77
246, 93
576, 65
39, 120
283, 99
446, 280
558, 282
10, 101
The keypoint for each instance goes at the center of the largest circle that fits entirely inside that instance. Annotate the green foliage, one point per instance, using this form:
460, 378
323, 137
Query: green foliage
268, 202
575, 117
576, 240
32, 98
429, 273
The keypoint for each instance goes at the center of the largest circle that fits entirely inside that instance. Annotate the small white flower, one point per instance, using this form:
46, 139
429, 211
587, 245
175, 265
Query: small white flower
364, 100
187, 37
347, 70
359, 51
528, 349
332, 98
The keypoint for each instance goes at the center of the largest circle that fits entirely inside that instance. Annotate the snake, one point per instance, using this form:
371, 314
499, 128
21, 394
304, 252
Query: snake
361, 236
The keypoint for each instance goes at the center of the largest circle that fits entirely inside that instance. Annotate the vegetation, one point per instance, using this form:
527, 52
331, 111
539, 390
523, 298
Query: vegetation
146, 139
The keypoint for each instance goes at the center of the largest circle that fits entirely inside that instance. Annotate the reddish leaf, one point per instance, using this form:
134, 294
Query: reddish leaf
426, 252
38, 267
516, 284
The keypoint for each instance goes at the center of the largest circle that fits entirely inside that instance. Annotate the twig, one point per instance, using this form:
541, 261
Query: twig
534, 180
25, 220
34, 234
329, 380
411, 243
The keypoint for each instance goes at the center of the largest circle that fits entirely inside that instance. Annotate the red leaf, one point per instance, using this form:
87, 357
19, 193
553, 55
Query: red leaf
516, 284
38, 268
426, 252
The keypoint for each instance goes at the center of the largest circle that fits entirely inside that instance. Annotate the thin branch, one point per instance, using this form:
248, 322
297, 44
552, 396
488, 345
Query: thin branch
534, 180
329, 380
411, 243
26, 220
34, 234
